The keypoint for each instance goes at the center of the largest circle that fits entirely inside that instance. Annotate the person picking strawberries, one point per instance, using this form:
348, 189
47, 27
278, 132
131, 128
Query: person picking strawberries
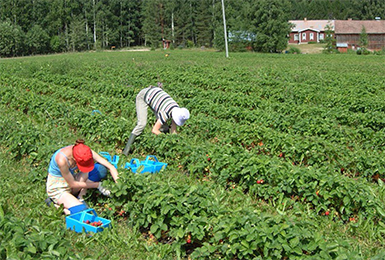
68, 173
163, 106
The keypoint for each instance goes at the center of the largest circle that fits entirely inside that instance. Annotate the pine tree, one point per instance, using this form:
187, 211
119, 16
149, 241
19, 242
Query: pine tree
204, 26
329, 39
152, 22
364, 41
271, 25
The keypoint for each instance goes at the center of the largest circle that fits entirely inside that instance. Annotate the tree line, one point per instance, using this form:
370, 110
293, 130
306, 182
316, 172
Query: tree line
29, 27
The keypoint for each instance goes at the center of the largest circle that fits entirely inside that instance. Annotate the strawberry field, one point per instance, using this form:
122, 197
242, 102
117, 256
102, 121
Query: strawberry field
282, 158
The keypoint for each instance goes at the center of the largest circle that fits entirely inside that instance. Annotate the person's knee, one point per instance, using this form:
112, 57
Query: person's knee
139, 129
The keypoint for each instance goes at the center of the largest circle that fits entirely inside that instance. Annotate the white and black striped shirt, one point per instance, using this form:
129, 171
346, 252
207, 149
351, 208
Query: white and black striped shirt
160, 102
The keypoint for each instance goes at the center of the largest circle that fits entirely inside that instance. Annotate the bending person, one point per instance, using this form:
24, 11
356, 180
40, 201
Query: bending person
163, 106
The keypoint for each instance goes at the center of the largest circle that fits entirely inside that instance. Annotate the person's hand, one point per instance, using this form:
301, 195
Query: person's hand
103, 190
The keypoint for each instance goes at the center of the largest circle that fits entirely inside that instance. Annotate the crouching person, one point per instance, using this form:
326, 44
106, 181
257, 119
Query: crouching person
96, 175
68, 174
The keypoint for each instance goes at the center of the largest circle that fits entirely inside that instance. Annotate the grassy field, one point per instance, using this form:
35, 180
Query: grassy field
309, 48
310, 127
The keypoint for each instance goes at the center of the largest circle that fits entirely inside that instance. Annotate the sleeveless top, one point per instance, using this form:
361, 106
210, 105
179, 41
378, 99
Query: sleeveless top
53, 168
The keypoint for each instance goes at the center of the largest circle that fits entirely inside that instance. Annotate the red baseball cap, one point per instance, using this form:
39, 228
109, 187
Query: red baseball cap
83, 157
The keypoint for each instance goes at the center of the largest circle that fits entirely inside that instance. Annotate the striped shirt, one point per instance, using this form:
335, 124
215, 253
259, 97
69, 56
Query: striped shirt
160, 102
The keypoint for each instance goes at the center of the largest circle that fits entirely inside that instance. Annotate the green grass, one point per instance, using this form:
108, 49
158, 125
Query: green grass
315, 48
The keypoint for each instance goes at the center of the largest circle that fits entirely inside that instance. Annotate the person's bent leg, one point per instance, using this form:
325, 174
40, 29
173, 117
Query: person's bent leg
80, 192
70, 203
141, 113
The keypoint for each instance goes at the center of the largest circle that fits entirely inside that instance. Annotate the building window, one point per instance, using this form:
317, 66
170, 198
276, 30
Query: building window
304, 36
321, 36
296, 37
311, 36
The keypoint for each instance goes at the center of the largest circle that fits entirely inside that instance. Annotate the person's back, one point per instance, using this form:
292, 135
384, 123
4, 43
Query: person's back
160, 102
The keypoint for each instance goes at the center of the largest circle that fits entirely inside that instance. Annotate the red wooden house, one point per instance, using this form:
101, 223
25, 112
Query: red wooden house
348, 32
305, 31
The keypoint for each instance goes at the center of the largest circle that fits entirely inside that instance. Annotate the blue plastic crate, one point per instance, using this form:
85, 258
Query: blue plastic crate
151, 164
111, 159
77, 221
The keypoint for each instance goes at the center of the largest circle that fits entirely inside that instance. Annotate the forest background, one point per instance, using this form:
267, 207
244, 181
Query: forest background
30, 27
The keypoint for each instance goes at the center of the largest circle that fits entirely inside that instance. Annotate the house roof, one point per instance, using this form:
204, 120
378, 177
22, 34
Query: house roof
355, 26
316, 25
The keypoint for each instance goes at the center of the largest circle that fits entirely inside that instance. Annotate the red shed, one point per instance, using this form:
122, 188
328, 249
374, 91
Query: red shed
166, 44
342, 47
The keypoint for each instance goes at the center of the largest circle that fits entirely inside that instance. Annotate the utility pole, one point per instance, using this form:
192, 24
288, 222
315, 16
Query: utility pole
224, 26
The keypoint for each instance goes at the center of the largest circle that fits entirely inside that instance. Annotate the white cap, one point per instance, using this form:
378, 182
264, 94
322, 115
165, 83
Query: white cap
180, 115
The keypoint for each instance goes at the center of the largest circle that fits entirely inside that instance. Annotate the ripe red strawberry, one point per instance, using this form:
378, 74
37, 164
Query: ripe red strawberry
327, 213
259, 181
188, 239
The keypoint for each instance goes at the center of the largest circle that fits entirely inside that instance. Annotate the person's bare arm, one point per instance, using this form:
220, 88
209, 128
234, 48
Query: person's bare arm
63, 166
156, 127
173, 127
109, 166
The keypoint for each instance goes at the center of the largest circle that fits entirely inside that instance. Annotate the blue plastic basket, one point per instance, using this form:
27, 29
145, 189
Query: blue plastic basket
151, 164
111, 159
77, 221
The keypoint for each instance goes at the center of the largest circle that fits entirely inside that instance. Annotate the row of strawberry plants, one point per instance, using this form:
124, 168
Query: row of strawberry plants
77, 97
317, 187
32, 140
26, 239
209, 222
94, 126
343, 155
